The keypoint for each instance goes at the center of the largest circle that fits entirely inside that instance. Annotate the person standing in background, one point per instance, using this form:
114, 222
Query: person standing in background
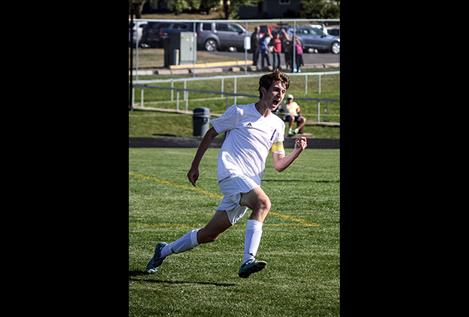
277, 49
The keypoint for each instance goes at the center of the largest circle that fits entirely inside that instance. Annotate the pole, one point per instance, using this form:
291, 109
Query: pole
131, 106
246, 54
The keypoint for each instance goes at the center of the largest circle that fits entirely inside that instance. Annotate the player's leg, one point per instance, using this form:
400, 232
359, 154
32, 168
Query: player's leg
290, 120
300, 122
260, 204
217, 225
190, 240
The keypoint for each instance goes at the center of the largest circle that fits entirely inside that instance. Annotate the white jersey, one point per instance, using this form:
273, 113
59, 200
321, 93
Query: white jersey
248, 141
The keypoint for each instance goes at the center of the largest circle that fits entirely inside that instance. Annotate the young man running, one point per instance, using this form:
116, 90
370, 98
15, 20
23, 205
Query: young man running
252, 131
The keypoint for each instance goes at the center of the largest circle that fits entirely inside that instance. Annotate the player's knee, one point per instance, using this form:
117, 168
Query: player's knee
264, 204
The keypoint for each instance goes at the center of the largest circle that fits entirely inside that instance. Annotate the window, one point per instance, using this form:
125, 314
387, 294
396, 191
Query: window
207, 26
235, 28
222, 27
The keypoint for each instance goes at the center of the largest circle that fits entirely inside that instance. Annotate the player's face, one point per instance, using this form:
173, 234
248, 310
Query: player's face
275, 95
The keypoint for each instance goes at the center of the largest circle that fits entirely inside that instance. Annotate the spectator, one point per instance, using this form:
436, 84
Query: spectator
255, 37
298, 54
264, 49
292, 112
277, 49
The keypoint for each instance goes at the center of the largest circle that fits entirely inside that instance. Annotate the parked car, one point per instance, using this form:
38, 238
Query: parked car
316, 39
154, 33
213, 36
175, 27
335, 31
151, 34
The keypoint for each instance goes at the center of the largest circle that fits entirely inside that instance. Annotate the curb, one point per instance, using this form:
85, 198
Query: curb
207, 68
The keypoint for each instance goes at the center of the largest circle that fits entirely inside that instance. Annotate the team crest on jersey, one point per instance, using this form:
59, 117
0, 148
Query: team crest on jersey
249, 125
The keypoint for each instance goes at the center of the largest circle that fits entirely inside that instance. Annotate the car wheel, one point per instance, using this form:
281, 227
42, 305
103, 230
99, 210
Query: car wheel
210, 45
335, 48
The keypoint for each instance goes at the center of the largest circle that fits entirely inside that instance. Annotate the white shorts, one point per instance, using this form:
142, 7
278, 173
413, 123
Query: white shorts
232, 188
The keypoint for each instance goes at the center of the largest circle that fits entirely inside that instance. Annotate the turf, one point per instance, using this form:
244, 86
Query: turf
145, 124
300, 239
148, 124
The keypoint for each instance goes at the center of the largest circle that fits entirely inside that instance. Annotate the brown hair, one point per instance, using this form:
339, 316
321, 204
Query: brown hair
268, 79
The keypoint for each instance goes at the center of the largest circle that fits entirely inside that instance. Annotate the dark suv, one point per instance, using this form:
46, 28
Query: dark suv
155, 32
213, 36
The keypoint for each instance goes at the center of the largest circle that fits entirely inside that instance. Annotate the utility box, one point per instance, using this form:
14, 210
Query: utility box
180, 48
201, 121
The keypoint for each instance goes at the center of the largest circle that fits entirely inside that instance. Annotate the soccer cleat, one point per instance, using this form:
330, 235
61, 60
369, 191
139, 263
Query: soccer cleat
251, 266
290, 132
156, 260
296, 130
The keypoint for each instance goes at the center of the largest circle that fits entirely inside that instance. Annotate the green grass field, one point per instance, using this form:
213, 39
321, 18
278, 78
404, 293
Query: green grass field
300, 239
146, 124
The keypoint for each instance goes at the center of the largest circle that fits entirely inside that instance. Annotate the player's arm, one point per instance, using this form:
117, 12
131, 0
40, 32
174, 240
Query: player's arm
281, 162
193, 173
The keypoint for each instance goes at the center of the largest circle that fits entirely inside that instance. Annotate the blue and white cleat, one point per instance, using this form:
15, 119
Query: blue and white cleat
156, 260
251, 266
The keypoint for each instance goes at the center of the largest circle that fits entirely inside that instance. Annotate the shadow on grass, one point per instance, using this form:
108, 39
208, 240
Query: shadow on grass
300, 180
137, 273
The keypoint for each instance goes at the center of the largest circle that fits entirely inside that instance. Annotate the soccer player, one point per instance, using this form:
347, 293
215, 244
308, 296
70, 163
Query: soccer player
252, 131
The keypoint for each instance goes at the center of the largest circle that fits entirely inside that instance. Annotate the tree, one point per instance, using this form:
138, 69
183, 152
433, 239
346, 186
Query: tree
207, 5
231, 7
178, 6
136, 7
320, 9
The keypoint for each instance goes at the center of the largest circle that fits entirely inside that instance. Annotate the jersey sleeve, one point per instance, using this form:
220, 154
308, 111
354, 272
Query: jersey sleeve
279, 137
277, 145
227, 121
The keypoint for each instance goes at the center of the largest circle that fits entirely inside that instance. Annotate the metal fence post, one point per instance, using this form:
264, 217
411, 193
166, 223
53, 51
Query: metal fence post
136, 58
235, 89
177, 101
141, 98
319, 102
306, 85
222, 87
172, 90
319, 111
186, 95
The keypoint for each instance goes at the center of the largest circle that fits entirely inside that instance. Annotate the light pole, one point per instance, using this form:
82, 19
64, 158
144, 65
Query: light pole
131, 106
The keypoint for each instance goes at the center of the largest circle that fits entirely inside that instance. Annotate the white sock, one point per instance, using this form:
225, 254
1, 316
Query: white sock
184, 243
252, 240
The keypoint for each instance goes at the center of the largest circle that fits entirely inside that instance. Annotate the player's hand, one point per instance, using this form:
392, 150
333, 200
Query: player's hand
193, 175
301, 143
